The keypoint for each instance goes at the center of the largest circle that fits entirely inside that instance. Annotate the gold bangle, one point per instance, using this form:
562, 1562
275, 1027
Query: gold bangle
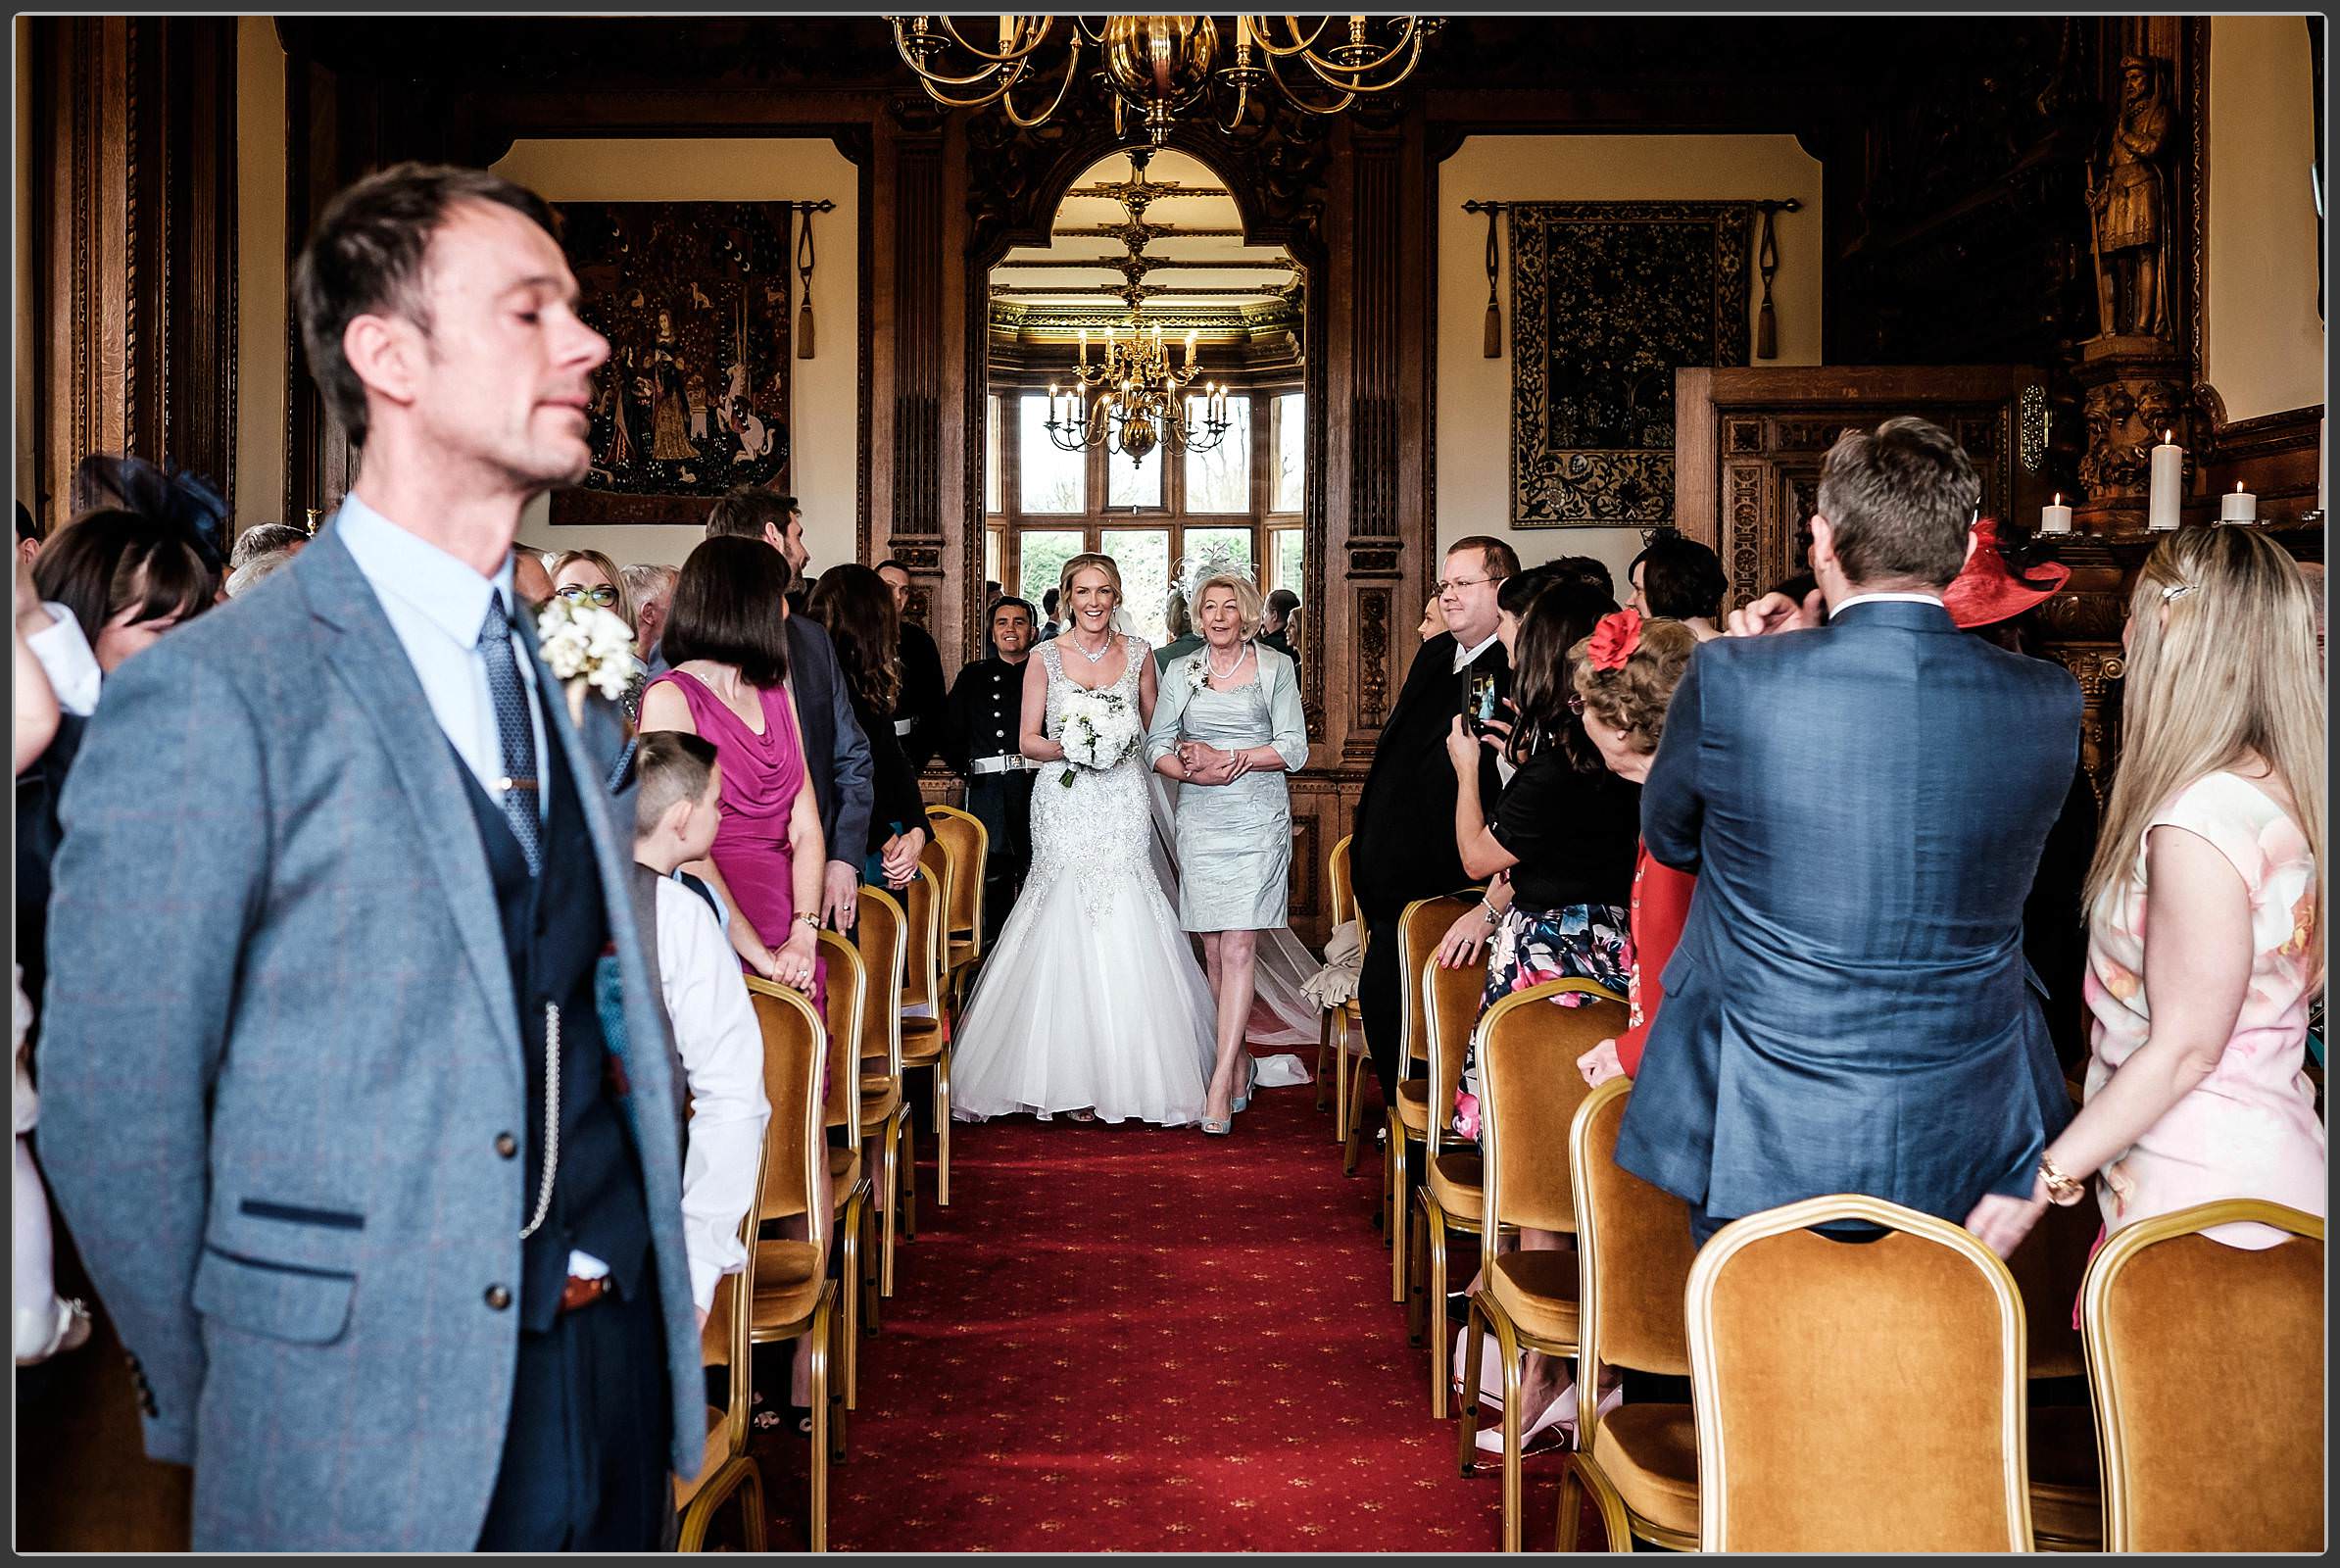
2063, 1191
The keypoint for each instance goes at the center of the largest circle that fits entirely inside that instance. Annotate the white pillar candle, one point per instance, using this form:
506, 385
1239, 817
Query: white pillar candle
2169, 485
2056, 518
2238, 506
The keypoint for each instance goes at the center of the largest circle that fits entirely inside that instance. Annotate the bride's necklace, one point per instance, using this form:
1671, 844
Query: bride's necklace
1099, 656
1210, 663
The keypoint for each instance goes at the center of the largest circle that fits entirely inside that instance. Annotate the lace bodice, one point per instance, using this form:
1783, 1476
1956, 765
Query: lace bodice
1099, 826
1061, 685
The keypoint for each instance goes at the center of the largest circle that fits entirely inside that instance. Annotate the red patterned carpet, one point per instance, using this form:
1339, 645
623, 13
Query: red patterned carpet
1130, 1338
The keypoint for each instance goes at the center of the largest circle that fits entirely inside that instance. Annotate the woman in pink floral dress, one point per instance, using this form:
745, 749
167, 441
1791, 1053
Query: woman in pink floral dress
2196, 1089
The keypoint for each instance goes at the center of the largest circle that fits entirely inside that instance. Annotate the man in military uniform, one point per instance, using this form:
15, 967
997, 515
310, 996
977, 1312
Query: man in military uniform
984, 713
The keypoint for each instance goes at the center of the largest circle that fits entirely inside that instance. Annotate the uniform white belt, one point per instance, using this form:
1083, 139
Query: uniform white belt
903, 726
1006, 762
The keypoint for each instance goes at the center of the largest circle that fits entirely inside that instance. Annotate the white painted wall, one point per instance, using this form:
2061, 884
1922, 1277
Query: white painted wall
1474, 414
2264, 342
826, 390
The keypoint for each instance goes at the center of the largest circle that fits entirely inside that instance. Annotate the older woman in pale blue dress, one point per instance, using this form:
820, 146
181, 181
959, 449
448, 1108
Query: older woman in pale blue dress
1228, 727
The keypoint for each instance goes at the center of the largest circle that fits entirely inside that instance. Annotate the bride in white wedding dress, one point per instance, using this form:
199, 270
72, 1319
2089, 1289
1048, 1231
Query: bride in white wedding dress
1091, 1003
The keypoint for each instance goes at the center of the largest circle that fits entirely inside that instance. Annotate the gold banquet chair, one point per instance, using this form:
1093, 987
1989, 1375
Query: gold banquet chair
925, 1040
885, 1107
1419, 930
1633, 1257
727, 1469
2067, 1506
849, 1170
1857, 1397
791, 1295
2206, 1367
1343, 1036
965, 843
1450, 1199
1529, 1090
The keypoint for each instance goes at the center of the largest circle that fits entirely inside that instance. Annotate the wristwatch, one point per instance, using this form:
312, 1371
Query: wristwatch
810, 919
2063, 1191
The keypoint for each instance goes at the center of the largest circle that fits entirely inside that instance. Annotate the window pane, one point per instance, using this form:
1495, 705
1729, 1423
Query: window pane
1292, 453
994, 501
1134, 485
1043, 555
1220, 479
1143, 556
1218, 544
1053, 477
1287, 572
992, 544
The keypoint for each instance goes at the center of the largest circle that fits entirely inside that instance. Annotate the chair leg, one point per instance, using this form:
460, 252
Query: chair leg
909, 1181
1473, 1351
1615, 1524
817, 1520
1323, 1044
1353, 1114
1433, 1307
1417, 1244
751, 1496
848, 1285
943, 1128
895, 1151
1508, 1347
1399, 1185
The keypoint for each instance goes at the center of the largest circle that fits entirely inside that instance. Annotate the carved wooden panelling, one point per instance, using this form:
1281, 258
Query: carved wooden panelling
1373, 657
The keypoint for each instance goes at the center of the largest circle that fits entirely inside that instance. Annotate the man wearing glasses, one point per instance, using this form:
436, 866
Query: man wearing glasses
1410, 785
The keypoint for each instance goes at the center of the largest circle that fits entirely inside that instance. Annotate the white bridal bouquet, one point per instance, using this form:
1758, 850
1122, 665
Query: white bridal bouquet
586, 646
1099, 731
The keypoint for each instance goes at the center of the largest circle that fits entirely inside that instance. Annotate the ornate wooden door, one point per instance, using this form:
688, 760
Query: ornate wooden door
1748, 445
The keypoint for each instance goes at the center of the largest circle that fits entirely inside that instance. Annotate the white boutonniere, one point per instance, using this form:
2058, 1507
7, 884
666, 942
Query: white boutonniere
1198, 672
586, 646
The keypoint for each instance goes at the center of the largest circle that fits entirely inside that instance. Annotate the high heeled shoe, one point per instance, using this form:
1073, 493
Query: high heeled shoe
1559, 1416
1250, 1081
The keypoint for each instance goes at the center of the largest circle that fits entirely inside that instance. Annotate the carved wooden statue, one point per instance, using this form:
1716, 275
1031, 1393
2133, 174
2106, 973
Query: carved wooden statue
2131, 214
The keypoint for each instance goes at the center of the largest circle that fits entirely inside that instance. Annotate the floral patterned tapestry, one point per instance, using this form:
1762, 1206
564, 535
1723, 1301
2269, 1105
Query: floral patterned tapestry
693, 299
1609, 299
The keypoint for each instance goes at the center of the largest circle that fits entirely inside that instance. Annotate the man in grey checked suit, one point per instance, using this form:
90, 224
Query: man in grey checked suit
390, 1225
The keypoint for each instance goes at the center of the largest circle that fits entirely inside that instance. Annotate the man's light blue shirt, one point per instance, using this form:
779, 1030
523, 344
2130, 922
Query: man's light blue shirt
436, 605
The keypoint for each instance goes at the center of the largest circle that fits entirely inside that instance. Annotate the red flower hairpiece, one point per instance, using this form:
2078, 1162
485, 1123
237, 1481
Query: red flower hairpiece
1614, 638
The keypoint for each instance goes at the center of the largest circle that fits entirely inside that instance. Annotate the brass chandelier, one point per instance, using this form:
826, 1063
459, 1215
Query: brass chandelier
1164, 68
1135, 400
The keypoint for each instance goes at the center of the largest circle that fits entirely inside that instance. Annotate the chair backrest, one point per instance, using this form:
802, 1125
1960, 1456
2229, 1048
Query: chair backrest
1452, 1010
1419, 930
845, 1004
2206, 1365
1857, 1397
878, 935
965, 843
1634, 1251
936, 856
1529, 1090
794, 1046
723, 1341
922, 935
1344, 887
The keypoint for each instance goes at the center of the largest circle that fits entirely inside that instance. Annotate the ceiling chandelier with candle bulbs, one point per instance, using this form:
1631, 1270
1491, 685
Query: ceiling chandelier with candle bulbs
1162, 68
1133, 399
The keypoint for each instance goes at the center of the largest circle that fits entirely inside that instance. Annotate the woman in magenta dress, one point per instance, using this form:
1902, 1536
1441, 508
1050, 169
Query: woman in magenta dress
729, 684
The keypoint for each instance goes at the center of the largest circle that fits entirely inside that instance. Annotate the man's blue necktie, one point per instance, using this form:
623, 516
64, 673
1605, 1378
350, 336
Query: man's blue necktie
517, 791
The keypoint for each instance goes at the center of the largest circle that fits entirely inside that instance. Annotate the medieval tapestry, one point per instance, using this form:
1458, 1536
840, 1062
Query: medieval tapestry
693, 299
1608, 300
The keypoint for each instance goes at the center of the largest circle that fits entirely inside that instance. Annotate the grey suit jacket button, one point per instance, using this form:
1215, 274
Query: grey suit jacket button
506, 1144
497, 1297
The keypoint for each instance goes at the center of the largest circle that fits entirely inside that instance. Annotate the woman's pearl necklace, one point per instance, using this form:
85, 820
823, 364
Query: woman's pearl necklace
1210, 661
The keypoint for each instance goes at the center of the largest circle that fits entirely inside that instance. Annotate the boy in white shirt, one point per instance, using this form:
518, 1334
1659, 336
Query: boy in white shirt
716, 1032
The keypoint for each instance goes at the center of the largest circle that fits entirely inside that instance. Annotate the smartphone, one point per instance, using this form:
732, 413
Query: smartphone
1480, 702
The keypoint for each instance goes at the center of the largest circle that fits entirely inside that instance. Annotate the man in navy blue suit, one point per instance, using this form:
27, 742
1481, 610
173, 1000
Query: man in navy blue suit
1864, 803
